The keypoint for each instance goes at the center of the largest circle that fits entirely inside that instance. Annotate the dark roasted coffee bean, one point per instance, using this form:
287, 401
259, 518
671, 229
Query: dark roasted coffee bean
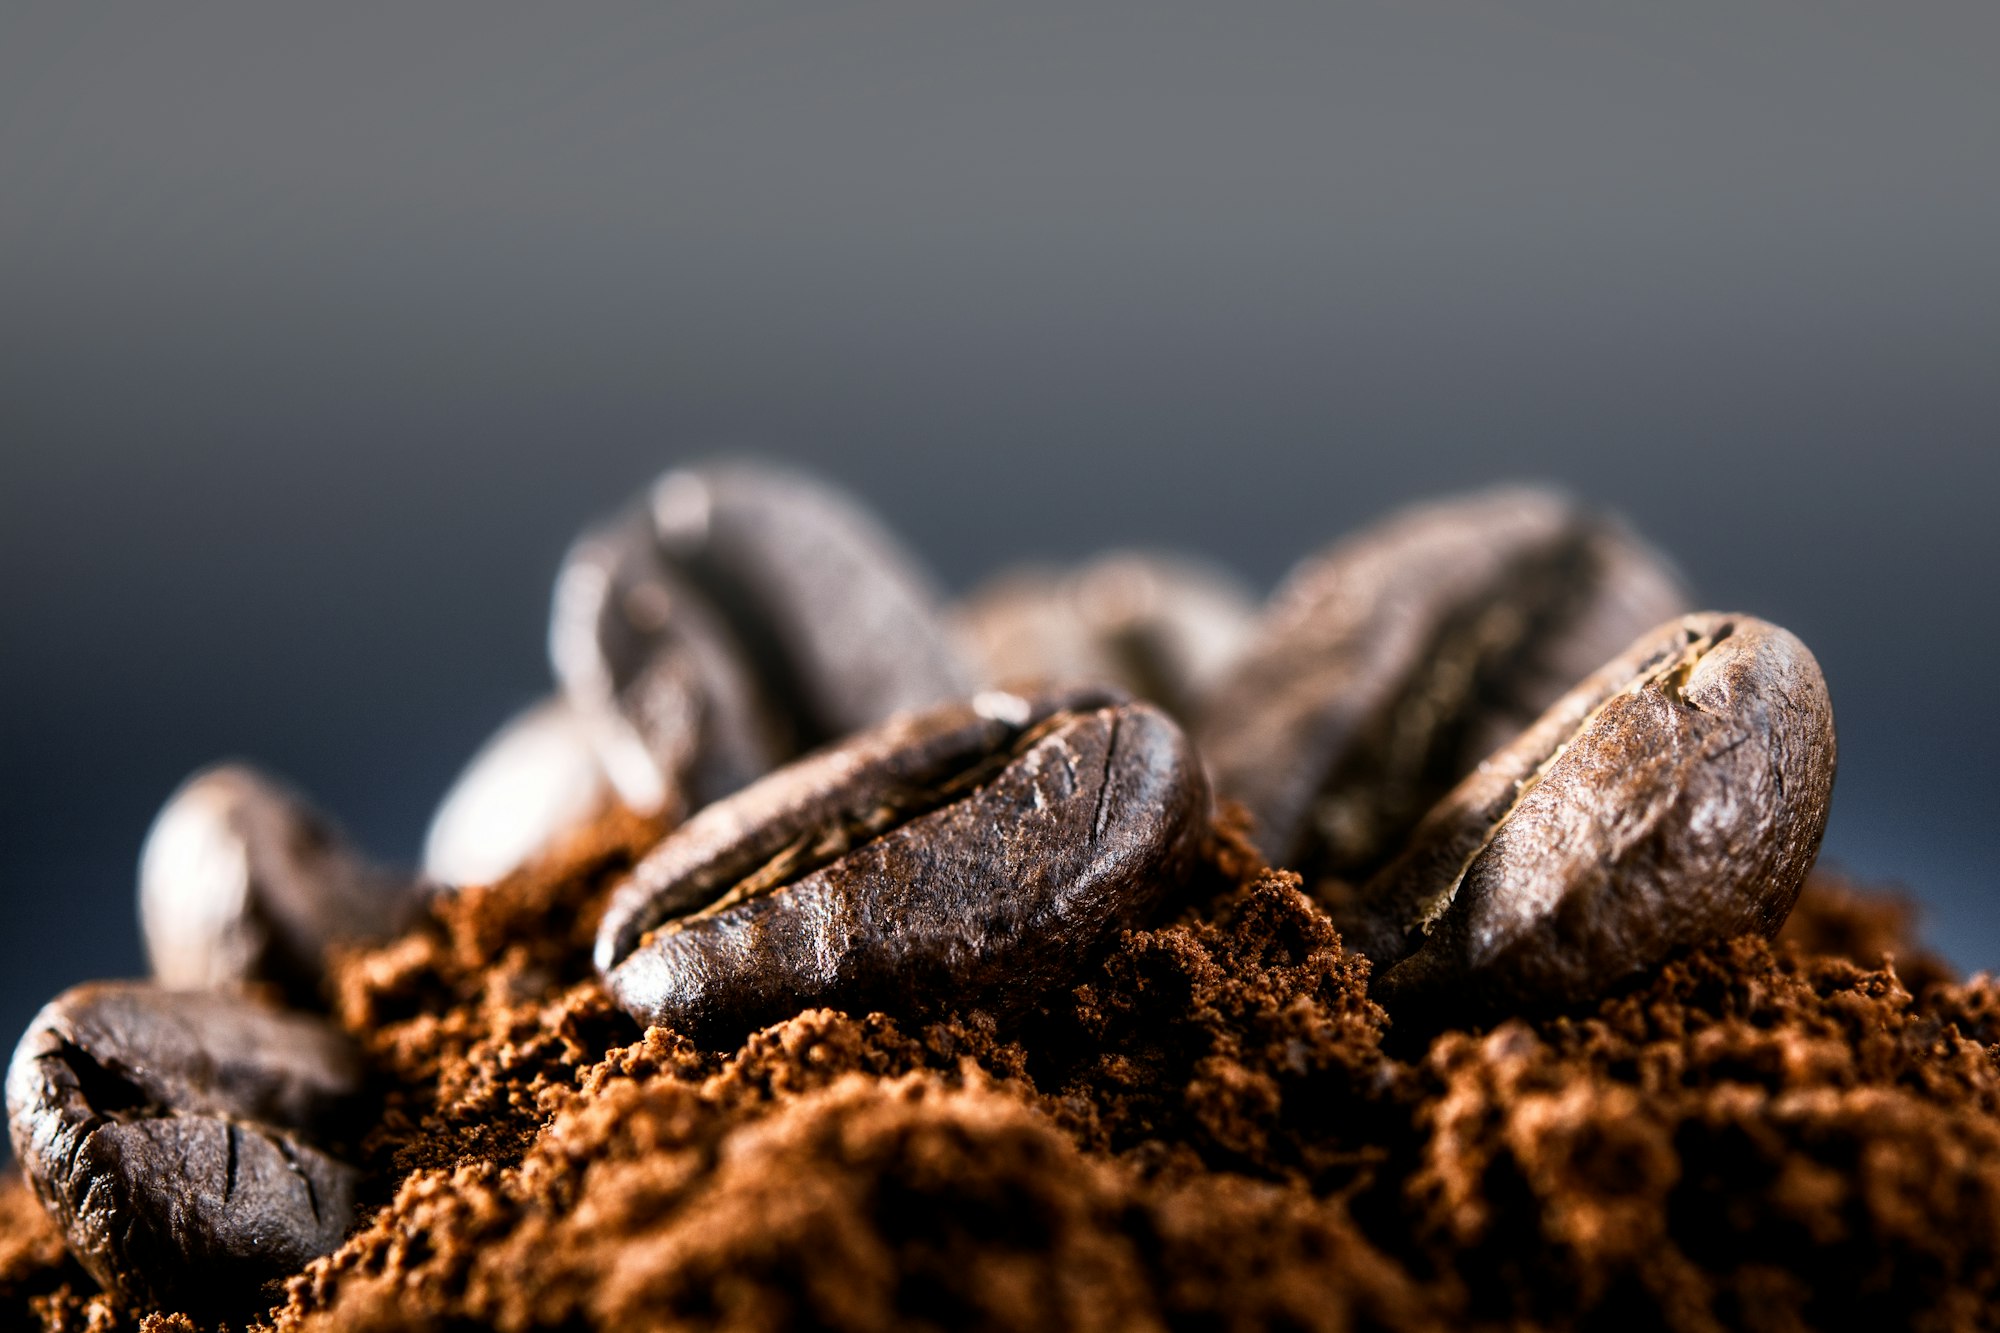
1675, 797
1387, 666
1163, 627
655, 676
537, 779
978, 854
179, 1138
837, 615
242, 880
748, 613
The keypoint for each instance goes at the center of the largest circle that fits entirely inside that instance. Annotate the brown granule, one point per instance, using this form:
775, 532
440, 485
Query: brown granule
1216, 1130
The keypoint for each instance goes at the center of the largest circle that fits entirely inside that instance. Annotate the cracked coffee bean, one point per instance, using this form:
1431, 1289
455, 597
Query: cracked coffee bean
1390, 664
179, 1138
1162, 626
1675, 797
538, 778
241, 880
746, 614
981, 853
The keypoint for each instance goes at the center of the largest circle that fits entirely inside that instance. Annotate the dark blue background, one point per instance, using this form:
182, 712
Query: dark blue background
322, 330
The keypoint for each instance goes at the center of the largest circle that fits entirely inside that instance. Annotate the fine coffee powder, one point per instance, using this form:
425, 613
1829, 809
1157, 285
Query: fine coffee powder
1216, 1129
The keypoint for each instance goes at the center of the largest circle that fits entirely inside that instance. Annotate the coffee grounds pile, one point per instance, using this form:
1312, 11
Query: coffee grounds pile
1217, 1130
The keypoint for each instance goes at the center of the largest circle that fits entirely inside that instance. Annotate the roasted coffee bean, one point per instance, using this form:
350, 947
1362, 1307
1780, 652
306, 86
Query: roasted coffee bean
1163, 627
538, 778
180, 1138
977, 854
748, 614
837, 615
1389, 665
655, 676
242, 880
1675, 797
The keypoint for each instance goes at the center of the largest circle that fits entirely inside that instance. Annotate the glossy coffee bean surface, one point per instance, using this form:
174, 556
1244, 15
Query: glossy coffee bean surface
241, 880
738, 616
179, 1138
537, 779
655, 676
840, 618
1388, 665
978, 854
1164, 627
1676, 797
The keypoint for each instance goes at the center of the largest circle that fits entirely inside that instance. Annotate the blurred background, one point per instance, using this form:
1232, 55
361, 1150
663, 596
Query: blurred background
323, 329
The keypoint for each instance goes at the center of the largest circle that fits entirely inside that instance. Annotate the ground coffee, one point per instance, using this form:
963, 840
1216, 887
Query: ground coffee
1217, 1129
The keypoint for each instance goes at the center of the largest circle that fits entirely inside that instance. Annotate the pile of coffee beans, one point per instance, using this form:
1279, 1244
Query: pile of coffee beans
1491, 735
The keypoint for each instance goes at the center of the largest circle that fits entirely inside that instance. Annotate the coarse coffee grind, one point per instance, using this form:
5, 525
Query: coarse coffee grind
1009, 1005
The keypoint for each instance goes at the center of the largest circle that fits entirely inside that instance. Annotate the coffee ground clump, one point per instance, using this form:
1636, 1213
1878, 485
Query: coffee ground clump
1216, 1129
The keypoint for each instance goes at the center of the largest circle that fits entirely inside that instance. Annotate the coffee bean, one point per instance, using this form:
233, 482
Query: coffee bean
978, 854
1675, 797
537, 779
748, 614
179, 1138
837, 615
655, 676
1163, 627
242, 880
1387, 666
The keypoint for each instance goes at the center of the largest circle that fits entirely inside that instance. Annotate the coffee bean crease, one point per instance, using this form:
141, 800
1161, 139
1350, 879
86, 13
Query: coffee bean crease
1389, 664
946, 858
182, 1138
1676, 796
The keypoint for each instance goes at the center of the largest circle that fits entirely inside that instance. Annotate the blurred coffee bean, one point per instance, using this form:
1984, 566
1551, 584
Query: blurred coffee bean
1162, 626
746, 614
657, 678
538, 778
1675, 797
1387, 666
242, 880
976, 854
179, 1138
838, 616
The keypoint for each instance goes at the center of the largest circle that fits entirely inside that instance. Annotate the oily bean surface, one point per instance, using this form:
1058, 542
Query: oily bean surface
978, 854
1163, 627
879, 778
838, 616
179, 1137
741, 615
1387, 666
655, 676
241, 879
536, 779
1674, 798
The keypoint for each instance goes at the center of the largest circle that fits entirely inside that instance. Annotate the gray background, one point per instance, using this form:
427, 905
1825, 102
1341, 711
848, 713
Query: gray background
322, 329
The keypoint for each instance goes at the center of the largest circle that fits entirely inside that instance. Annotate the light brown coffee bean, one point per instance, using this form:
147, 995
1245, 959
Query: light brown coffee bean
1387, 666
242, 880
1163, 627
179, 1138
1675, 797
